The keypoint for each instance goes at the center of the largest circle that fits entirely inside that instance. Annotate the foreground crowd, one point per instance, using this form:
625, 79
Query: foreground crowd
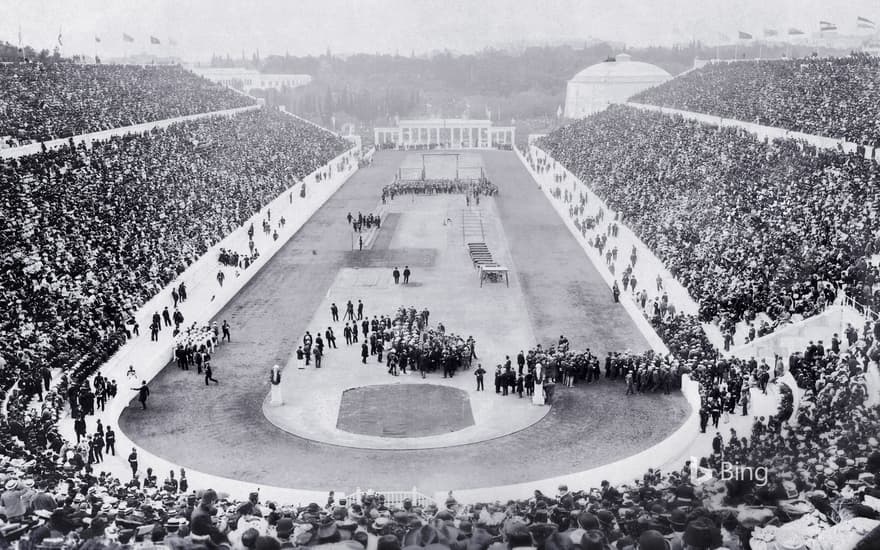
40, 102
833, 97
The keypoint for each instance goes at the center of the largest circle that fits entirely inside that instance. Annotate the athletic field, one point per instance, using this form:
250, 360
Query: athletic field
319, 438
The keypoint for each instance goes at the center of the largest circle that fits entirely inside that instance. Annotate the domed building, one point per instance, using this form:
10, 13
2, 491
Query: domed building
599, 85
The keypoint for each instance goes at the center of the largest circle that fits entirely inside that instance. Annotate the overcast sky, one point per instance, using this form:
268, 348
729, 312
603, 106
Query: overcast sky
203, 27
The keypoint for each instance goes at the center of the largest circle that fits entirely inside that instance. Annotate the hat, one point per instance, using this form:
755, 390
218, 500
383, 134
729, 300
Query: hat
387, 542
249, 537
594, 540
11, 485
653, 540
201, 526
606, 518
588, 521
678, 518
702, 533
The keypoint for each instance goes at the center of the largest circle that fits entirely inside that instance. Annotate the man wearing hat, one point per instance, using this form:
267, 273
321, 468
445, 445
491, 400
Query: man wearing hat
11, 499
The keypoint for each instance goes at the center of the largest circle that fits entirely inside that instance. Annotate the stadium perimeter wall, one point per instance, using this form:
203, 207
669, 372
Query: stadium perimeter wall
205, 299
763, 131
88, 139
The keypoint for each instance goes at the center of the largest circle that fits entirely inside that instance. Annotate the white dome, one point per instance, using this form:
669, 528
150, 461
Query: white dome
603, 84
620, 69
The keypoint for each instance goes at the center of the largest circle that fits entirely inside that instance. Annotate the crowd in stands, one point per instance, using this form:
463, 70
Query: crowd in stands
90, 235
40, 102
831, 97
745, 225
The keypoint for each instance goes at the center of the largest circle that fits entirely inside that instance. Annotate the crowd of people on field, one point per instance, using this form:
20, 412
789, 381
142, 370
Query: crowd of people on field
471, 188
745, 225
413, 344
40, 102
832, 97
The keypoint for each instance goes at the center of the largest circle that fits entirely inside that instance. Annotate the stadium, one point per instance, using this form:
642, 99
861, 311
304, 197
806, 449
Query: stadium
302, 299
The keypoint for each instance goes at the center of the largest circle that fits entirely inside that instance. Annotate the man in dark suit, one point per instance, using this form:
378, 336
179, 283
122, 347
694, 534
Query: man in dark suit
396, 275
334, 312
406, 274
349, 312
143, 393
360, 310
331, 338
479, 373
347, 333
364, 353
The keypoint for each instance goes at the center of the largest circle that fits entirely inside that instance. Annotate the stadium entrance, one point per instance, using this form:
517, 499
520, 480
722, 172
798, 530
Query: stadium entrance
445, 133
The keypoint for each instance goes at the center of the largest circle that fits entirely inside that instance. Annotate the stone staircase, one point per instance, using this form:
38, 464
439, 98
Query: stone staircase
472, 229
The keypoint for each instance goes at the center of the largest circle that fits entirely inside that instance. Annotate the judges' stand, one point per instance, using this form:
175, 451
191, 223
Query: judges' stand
205, 298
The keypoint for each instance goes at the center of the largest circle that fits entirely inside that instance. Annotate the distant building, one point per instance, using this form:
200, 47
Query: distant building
602, 84
455, 133
249, 79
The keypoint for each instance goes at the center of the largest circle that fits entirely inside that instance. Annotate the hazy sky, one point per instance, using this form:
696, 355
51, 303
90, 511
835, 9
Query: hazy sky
202, 27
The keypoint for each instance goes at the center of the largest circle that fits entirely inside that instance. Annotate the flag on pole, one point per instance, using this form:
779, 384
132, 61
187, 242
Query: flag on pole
794, 32
60, 43
97, 39
825, 26
770, 32
745, 35
154, 40
19, 36
127, 38
865, 23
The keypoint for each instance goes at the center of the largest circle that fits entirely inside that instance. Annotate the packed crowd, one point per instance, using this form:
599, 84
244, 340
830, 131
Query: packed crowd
471, 188
90, 235
746, 226
40, 102
414, 344
832, 97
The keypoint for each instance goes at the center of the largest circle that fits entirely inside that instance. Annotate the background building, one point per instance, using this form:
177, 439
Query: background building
249, 79
602, 84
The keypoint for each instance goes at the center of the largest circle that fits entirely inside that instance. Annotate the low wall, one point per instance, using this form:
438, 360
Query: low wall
88, 139
795, 337
205, 299
760, 130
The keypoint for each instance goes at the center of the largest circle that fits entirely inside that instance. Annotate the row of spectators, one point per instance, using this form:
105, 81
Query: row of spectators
832, 97
90, 235
40, 102
745, 225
